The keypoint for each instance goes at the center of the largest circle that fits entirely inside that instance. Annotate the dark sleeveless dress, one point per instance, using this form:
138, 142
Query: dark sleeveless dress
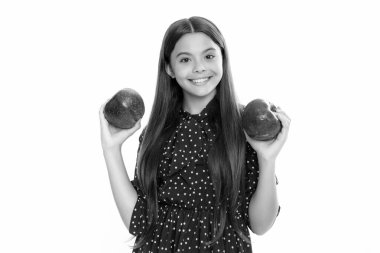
186, 195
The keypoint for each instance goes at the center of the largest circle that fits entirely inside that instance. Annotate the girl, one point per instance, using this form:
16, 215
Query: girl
196, 186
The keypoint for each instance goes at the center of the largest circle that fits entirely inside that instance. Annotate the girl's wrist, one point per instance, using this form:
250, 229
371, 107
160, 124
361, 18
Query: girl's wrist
266, 162
111, 150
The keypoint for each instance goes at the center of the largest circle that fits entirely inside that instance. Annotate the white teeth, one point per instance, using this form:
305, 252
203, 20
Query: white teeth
200, 80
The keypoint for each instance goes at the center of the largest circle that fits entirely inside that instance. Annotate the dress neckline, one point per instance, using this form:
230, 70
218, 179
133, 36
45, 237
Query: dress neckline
209, 109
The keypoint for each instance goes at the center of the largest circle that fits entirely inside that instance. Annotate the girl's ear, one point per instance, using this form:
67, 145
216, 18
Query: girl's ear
169, 70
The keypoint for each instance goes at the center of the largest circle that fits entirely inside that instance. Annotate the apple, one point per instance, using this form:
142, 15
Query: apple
259, 121
124, 109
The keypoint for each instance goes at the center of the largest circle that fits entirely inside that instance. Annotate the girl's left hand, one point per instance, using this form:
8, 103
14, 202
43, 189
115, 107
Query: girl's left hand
268, 150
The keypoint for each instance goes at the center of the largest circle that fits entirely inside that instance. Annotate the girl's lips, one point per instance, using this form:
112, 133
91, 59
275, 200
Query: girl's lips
200, 80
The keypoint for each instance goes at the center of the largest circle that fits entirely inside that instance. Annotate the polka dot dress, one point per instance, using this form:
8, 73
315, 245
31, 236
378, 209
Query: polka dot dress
186, 195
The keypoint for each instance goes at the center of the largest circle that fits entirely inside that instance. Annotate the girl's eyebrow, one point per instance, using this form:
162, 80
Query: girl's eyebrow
187, 53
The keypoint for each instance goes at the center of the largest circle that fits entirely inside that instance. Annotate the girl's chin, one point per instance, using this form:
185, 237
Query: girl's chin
202, 93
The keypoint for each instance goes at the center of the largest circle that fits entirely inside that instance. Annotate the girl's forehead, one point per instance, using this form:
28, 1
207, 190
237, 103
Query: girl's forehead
194, 43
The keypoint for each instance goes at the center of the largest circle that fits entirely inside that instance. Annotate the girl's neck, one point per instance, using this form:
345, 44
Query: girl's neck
195, 105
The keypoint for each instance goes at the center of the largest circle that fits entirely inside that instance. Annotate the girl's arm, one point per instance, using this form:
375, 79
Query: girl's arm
263, 206
123, 192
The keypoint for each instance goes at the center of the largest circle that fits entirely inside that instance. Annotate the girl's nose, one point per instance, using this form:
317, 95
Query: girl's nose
199, 67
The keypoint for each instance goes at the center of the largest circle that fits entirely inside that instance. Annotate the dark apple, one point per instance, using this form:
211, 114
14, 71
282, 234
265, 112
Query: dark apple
259, 120
124, 109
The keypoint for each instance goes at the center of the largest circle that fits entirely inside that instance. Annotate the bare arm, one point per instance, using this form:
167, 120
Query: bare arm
263, 207
123, 192
122, 189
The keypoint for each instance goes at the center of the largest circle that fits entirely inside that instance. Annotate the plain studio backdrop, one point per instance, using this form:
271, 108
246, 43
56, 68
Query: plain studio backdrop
60, 60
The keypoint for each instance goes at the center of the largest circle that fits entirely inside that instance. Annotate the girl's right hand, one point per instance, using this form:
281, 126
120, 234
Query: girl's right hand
111, 136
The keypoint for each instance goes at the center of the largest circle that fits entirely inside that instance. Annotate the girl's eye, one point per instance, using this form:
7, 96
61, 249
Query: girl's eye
184, 60
210, 56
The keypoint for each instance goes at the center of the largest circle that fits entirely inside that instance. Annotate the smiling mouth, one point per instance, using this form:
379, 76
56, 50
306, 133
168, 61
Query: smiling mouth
200, 80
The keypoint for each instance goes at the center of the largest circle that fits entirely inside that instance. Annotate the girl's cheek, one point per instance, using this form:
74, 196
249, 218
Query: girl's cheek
184, 71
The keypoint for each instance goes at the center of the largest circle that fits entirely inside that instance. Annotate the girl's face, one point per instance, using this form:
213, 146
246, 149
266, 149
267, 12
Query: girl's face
197, 65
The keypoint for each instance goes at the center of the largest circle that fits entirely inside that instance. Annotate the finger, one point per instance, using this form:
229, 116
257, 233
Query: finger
101, 109
283, 112
285, 120
102, 118
136, 126
246, 135
104, 125
249, 139
283, 134
101, 112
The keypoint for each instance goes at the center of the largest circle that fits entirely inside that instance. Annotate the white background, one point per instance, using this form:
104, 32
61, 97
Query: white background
60, 60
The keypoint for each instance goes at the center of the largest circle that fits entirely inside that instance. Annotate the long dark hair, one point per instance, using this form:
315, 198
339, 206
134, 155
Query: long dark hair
226, 159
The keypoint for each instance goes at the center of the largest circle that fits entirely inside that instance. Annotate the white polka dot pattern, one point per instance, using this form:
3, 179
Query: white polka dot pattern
186, 195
